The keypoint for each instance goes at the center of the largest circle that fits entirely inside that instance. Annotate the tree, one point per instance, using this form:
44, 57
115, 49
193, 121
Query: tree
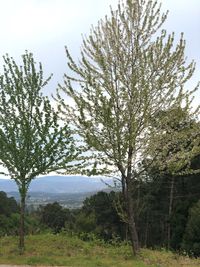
172, 138
54, 216
191, 242
8, 205
107, 220
173, 171
126, 74
31, 139
8, 210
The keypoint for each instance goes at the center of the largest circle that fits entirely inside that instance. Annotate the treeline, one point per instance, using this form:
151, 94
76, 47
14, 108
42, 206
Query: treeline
168, 213
10, 218
159, 225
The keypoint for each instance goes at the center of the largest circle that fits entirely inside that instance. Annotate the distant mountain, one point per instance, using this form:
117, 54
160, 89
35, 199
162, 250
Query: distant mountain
59, 184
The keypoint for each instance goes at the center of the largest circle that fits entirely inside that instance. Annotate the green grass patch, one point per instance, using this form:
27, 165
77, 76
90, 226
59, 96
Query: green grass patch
63, 250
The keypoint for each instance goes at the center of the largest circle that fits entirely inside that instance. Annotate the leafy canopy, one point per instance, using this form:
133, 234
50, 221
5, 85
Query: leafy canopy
32, 139
128, 72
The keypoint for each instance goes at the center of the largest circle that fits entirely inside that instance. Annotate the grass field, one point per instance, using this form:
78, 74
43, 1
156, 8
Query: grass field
63, 250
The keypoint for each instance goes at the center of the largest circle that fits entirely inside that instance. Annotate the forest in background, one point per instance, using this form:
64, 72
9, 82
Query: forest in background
99, 218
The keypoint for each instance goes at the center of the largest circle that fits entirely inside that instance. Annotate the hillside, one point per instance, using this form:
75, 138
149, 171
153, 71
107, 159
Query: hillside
59, 184
69, 191
71, 251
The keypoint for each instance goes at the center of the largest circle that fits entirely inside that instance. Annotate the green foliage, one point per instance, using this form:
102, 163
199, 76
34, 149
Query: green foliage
97, 218
8, 214
5, 223
101, 210
54, 216
8, 205
179, 221
152, 207
191, 242
129, 72
9, 225
85, 222
127, 75
176, 141
32, 139
172, 177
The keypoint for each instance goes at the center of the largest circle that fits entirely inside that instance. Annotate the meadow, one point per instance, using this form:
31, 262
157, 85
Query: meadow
71, 251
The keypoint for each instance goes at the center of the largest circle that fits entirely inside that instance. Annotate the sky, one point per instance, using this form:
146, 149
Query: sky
45, 27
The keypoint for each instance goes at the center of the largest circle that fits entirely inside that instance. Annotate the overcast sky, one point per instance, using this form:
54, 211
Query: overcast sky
44, 27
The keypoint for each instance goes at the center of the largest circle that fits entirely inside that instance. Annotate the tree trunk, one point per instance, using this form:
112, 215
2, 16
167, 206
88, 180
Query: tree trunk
132, 225
22, 219
127, 194
170, 212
